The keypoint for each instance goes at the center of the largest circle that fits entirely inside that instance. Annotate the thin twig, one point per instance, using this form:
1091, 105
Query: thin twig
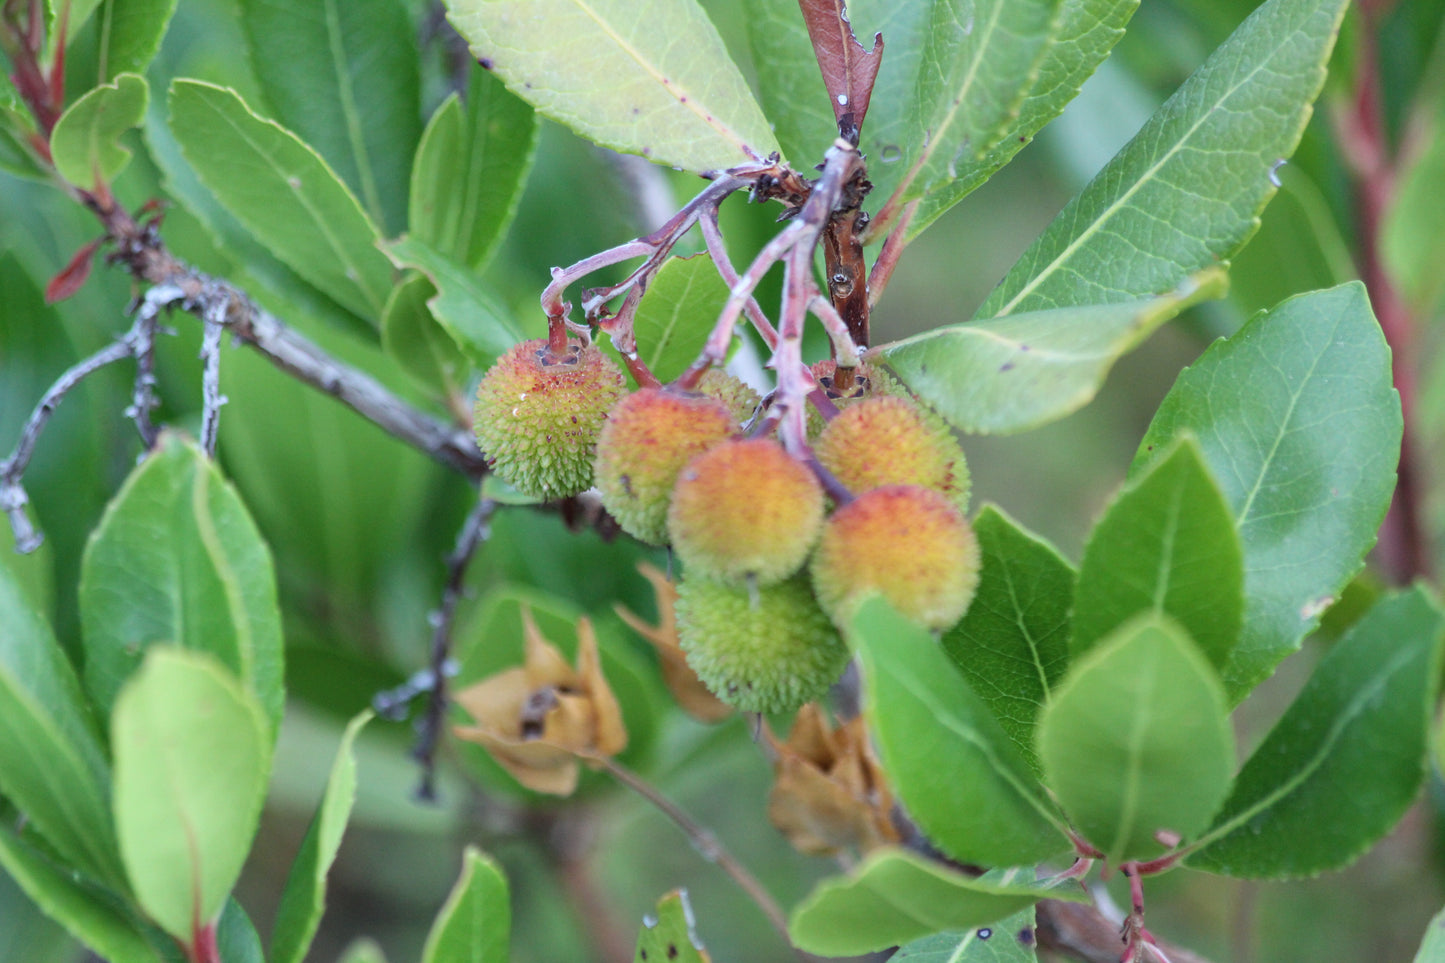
703, 840
887, 259
211, 397
143, 396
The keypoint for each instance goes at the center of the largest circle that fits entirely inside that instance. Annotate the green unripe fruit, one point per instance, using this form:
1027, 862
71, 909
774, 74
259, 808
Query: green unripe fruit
745, 510
648, 437
768, 650
909, 543
888, 440
741, 400
538, 415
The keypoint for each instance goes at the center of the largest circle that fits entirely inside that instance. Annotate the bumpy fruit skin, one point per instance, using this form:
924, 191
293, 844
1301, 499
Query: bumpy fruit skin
741, 400
909, 543
648, 437
888, 440
745, 510
769, 650
537, 417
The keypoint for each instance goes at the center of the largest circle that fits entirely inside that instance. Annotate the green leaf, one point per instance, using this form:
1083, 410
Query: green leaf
52, 764
1010, 940
1412, 238
1137, 740
1432, 947
283, 192
475, 922
85, 144
1187, 191
1013, 644
192, 756
90, 915
177, 560
130, 34
668, 935
677, 314
789, 85
1300, 426
952, 764
1166, 545
895, 896
1346, 759
481, 325
364, 950
412, 336
236, 938
345, 78
672, 93
1007, 375
304, 898
469, 171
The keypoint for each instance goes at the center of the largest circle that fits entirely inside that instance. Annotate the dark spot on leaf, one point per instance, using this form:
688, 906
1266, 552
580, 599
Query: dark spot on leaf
985, 933
485, 63
672, 951
1006, 366
636, 111
1026, 936
641, 953
682, 99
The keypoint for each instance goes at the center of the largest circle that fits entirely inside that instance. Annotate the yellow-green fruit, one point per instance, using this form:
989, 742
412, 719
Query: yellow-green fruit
909, 543
741, 400
538, 415
648, 438
887, 440
768, 650
745, 510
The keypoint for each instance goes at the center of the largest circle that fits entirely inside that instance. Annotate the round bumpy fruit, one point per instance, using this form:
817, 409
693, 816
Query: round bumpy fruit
906, 542
745, 510
538, 415
741, 400
648, 438
767, 650
888, 440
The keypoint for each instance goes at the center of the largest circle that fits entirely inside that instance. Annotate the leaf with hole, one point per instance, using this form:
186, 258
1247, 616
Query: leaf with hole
85, 143
668, 935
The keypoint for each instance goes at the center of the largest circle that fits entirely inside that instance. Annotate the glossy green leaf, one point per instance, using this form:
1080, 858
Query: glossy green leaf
304, 898
178, 561
236, 938
29, 936
672, 93
951, 762
475, 922
478, 322
469, 171
789, 86
1300, 426
1166, 545
1013, 643
1010, 940
130, 34
52, 764
1137, 740
283, 192
1432, 947
1346, 759
1012, 374
192, 756
92, 918
896, 896
677, 314
413, 337
1412, 238
1187, 191
85, 144
668, 934
343, 76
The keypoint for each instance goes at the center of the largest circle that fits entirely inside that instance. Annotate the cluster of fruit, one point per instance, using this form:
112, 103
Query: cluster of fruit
773, 562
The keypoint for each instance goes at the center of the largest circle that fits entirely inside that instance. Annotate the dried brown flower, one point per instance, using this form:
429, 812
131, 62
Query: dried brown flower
681, 680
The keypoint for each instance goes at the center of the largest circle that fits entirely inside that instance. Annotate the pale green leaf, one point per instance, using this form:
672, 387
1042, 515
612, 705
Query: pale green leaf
475, 922
130, 34
1412, 238
1137, 740
344, 77
85, 143
364, 950
283, 192
677, 314
1347, 758
177, 560
1432, 947
1187, 191
413, 337
192, 756
1300, 426
1010, 374
480, 324
672, 92
668, 934
1010, 940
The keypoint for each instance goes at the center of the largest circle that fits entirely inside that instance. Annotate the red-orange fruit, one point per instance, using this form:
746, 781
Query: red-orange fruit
888, 440
908, 543
538, 415
648, 437
745, 510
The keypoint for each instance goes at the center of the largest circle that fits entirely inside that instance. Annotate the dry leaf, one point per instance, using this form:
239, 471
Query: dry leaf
538, 720
681, 681
829, 793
